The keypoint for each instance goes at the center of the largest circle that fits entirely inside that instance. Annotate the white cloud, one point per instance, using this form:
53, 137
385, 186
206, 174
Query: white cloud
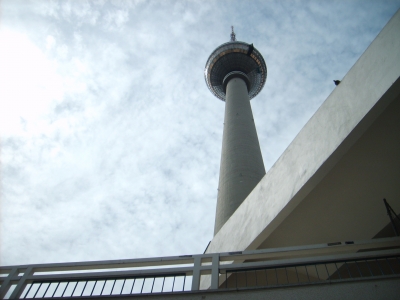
28, 84
50, 42
116, 19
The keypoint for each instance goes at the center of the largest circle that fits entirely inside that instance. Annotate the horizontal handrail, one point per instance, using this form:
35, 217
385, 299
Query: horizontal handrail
187, 259
190, 266
311, 260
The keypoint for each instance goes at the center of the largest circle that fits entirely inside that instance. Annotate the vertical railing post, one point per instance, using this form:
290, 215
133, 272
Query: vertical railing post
5, 286
196, 273
215, 272
21, 284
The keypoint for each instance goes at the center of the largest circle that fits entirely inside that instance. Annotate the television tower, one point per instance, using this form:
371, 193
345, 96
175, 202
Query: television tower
236, 72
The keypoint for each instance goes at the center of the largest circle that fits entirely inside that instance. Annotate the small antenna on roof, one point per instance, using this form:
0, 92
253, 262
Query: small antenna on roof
233, 36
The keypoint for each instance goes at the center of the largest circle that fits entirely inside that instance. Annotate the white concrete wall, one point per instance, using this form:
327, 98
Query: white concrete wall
345, 115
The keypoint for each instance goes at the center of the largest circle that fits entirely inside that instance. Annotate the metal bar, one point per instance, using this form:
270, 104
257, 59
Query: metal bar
338, 271
379, 266
184, 279
196, 273
390, 266
84, 287
37, 290
55, 290
122, 287
151, 291
323, 247
308, 276
144, 279
113, 274
73, 291
134, 280
348, 270
173, 283
297, 274
162, 287
378, 243
236, 279
329, 276
366, 262
28, 290
45, 292
214, 271
6, 284
65, 289
102, 289
359, 271
21, 283
112, 288
108, 264
309, 260
94, 285
316, 269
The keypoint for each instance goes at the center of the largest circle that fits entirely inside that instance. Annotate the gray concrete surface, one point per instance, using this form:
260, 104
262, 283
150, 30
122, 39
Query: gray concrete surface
347, 203
242, 166
366, 91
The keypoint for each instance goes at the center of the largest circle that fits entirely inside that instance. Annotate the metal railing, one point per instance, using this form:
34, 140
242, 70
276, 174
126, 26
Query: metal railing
313, 264
107, 286
334, 270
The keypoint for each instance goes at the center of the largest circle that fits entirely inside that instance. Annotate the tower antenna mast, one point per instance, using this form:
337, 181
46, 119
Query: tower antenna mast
233, 36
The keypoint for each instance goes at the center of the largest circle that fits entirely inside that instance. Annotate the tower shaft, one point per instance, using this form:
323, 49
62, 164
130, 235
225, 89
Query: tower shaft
242, 166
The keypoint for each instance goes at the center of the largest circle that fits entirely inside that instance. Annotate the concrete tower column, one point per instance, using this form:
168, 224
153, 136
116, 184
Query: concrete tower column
242, 166
236, 72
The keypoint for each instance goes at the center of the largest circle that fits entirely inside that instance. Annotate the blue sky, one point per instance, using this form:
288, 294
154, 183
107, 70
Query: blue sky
110, 139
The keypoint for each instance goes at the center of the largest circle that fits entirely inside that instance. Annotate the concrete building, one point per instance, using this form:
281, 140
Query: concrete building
235, 72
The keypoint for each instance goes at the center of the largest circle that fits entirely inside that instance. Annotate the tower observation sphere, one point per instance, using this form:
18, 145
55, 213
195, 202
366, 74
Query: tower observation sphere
236, 72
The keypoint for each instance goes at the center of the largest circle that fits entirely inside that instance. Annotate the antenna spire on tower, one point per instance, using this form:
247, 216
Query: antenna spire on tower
233, 36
